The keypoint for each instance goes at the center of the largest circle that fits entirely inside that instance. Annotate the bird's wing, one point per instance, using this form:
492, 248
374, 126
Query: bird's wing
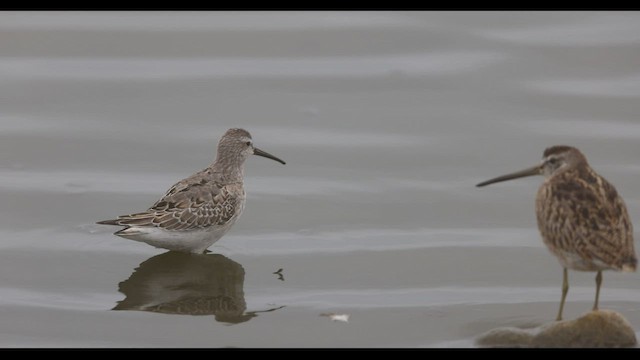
592, 218
195, 202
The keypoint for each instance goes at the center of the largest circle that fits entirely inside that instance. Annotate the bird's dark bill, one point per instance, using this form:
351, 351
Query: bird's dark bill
259, 152
536, 170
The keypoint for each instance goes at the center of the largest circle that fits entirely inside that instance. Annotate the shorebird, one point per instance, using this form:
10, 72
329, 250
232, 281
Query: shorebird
582, 219
197, 211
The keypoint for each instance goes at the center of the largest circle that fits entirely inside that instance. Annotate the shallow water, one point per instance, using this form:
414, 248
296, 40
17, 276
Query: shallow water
387, 120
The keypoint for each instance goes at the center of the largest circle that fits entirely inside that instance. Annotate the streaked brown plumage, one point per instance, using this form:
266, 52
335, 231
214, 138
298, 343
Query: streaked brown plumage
582, 219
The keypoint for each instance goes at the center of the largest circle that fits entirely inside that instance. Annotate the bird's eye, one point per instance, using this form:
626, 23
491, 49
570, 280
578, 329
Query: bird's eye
248, 143
553, 161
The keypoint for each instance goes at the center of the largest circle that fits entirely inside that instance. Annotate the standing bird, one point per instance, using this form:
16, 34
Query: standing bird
582, 219
197, 211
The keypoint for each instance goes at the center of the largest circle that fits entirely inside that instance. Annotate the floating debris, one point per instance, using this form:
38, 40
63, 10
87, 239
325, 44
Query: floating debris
337, 317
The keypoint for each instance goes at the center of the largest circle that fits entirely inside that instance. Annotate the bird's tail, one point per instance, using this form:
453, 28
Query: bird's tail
138, 219
108, 222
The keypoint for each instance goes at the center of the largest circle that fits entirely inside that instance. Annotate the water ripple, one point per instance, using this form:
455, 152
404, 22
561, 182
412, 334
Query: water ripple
380, 239
597, 30
199, 21
127, 69
578, 128
438, 296
622, 87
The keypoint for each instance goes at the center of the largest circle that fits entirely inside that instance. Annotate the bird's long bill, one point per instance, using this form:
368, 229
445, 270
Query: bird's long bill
259, 152
535, 170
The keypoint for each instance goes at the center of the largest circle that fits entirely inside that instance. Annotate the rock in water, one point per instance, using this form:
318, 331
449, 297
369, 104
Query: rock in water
603, 328
506, 337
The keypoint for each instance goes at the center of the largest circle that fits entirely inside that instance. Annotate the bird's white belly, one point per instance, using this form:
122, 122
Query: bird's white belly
195, 241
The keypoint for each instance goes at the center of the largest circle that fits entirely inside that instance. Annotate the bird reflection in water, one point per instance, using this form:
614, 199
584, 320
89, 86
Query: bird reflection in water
188, 284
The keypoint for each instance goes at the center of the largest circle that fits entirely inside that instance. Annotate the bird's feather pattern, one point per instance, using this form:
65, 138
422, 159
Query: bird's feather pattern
579, 212
198, 201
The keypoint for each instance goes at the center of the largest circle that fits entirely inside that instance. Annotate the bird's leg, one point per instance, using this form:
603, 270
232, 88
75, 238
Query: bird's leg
598, 283
565, 290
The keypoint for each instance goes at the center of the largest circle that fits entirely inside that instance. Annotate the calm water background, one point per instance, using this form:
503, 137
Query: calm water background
386, 121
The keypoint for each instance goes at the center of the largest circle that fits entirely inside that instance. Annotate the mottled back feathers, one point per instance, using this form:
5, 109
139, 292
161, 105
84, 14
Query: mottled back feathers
198, 201
585, 222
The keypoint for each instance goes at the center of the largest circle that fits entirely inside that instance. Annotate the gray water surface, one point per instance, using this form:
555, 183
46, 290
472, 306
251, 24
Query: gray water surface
387, 120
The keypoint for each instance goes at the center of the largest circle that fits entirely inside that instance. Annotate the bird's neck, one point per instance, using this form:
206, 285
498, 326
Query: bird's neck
228, 171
